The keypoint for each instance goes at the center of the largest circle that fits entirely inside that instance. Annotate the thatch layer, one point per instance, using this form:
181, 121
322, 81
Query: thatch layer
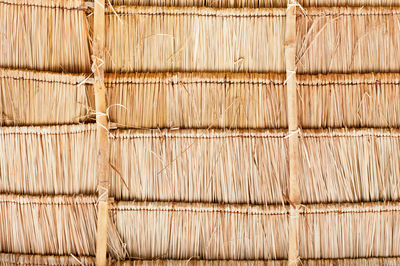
47, 225
197, 100
48, 160
199, 165
194, 39
183, 231
350, 166
204, 100
44, 35
40, 98
323, 262
255, 3
360, 40
251, 166
22, 259
209, 231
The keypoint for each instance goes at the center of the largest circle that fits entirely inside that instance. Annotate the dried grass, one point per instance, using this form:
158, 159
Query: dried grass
48, 160
348, 40
203, 39
204, 231
22, 259
42, 98
197, 165
197, 100
44, 35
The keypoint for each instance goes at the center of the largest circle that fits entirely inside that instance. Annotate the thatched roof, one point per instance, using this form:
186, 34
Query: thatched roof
217, 132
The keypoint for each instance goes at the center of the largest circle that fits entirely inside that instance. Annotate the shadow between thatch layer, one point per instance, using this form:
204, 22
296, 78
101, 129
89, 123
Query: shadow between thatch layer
233, 100
44, 35
250, 166
48, 160
255, 3
209, 231
24, 259
43, 98
251, 40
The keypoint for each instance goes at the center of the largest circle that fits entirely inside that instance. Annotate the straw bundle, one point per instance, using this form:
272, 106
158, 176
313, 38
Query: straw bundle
194, 39
256, 3
44, 35
48, 160
210, 100
40, 98
206, 166
209, 231
183, 231
47, 225
350, 166
348, 40
197, 100
20, 259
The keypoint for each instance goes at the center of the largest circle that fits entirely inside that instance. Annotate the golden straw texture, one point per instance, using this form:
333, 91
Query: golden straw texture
22, 259
211, 231
182, 231
350, 166
346, 40
210, 100
48, 160
199, 165
194, 39
197, 100
40, 98
256, 3
44, 35
47, 225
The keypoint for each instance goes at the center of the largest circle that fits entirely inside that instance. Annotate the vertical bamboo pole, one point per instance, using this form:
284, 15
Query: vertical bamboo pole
102, 132
294, 191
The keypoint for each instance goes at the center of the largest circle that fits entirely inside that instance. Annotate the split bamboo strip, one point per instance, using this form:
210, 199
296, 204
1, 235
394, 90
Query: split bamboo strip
194, 39
197, 100
56, 225
236, 100
348, 40
42, 98
102, 149
293, 135
250, 166
387, 261
48, 160
213, 231
44, 35
256, 3
11, 259
200, 166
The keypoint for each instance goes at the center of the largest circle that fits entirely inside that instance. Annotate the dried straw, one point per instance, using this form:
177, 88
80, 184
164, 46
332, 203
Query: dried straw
47, 225
210, 231
40, 98
348, 40
199, 165
44, 35
256, 3
48, 160
197, 100
194, 39
22, 259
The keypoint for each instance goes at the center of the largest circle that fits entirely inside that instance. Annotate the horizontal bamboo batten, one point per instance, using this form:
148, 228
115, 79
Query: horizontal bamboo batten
44, 35
210, 231
43, 98
48, 160
194, 39
255, 3
10, 259
250, 166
